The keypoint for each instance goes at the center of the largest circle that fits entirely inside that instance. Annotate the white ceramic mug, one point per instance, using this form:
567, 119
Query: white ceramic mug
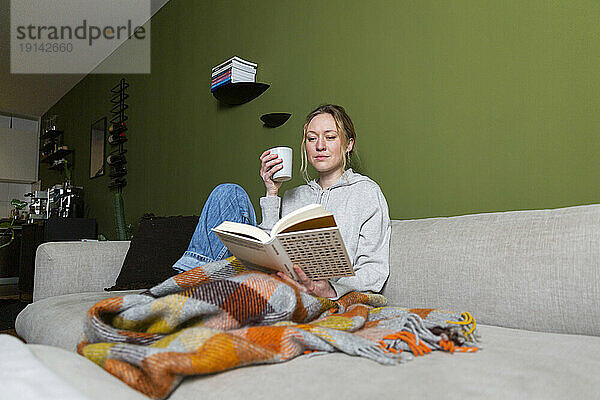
285, 173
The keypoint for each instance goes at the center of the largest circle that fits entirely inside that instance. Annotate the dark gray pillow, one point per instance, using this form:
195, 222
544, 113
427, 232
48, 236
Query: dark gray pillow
155, 247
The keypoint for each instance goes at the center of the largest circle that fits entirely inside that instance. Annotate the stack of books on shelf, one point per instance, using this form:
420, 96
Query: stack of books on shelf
231, 71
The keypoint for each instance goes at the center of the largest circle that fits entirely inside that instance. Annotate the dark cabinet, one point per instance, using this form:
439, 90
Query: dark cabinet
9, 255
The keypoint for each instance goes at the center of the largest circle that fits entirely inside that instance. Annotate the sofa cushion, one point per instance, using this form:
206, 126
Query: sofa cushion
58, 321
156, 246
536, 270
514, 364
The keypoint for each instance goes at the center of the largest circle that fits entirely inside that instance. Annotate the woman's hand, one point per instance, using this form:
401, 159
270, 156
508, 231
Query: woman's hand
320, 288
269, 164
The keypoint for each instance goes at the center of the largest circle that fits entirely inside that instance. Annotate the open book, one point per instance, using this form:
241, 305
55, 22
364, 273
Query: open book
308, 237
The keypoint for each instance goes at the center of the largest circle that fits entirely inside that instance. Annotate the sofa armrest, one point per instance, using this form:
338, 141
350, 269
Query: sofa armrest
77, 267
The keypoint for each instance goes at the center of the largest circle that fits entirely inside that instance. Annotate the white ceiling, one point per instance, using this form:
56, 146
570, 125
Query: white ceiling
32, 94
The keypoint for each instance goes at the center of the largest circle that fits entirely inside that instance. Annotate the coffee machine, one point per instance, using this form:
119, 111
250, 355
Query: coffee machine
67, 201
38, 205
60, 201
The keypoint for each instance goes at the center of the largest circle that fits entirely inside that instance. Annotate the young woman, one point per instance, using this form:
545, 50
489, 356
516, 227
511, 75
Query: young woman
357, 203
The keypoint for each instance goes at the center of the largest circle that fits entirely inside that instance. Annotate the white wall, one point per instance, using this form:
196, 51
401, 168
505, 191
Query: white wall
19, 159
9, 191
19, 150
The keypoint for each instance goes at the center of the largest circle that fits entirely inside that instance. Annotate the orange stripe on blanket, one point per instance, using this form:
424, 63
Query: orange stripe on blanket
292, 343
284, 342
225, 351
421, 312
262, 284
110, 305
140, 335
359, 310
150, 384
251, 352
191, 278
266, 336
244, 304
216, 354
353, 298
81, 345
300, 313
371, 324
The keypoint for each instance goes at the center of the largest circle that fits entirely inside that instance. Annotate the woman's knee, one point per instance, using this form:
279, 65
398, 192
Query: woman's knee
230, 198
228, 189
230, 193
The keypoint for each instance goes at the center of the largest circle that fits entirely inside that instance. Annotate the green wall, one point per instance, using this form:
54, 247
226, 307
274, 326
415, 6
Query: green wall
459, 106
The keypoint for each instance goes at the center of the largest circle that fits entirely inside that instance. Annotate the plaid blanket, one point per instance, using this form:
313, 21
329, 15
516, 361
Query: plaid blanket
221, 316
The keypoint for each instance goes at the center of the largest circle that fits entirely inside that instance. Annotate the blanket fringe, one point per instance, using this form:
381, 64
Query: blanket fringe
421, 340
378, 354
450, 347
468, 324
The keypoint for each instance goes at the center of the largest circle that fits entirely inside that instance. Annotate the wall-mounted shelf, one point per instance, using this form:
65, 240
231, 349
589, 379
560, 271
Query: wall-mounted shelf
55, 155
273, 120
52, 149
48, 146
239, 93
59, 166
51, 134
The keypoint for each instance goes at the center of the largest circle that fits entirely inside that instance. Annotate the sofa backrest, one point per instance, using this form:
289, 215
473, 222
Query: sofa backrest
77, 267
536, 270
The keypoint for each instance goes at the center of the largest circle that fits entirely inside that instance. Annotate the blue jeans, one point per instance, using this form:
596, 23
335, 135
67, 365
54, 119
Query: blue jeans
227, 202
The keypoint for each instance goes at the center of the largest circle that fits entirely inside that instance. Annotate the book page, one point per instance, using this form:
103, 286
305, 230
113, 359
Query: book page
302, 214
244, 230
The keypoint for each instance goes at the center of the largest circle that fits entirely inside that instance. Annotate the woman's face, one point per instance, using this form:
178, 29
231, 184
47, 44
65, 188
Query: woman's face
324, 145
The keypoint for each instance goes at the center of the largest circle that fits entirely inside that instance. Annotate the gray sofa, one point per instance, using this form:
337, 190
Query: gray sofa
530, 278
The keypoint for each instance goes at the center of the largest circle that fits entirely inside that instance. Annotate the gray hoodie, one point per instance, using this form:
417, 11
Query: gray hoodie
360, 211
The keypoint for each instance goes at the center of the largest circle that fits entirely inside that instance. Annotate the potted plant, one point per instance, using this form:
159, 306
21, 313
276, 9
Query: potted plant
18, 206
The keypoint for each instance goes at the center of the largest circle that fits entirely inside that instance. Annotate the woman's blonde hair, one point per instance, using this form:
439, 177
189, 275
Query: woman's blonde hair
345, 129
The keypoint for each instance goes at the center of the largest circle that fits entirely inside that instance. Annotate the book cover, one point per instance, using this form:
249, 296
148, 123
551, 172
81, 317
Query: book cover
235, 73
220, 78
229, 80
217, 85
